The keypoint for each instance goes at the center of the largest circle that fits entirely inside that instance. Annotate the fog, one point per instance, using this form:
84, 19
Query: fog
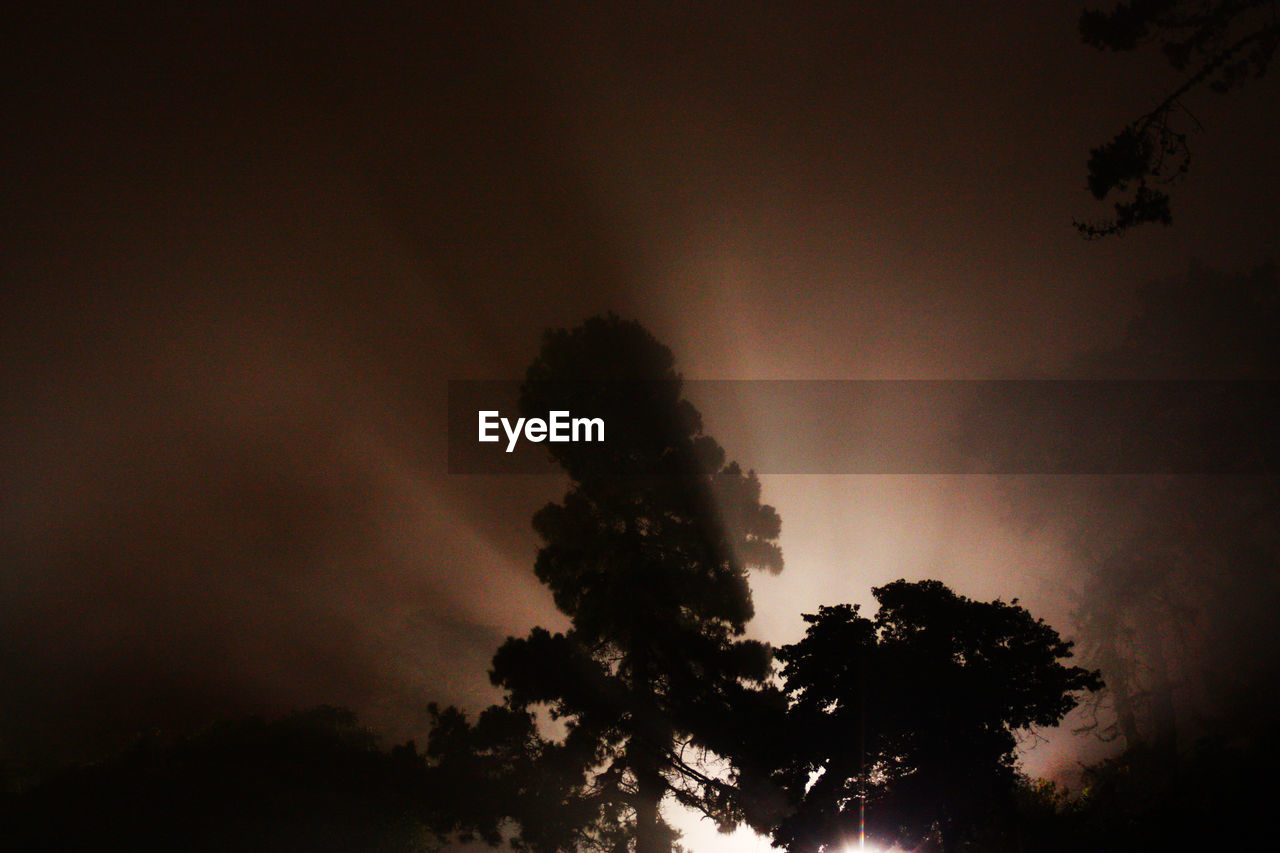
242, 258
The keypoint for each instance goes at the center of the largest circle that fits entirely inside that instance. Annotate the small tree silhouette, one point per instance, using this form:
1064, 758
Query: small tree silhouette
908, 719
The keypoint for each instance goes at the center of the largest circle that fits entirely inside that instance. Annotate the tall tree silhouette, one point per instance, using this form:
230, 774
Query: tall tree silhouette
909, 718
1218, 44
647, 554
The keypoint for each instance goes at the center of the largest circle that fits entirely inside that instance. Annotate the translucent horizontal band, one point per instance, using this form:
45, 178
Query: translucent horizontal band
895, 426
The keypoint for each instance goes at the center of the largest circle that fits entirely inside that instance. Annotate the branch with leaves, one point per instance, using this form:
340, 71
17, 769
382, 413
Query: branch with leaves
1218, 45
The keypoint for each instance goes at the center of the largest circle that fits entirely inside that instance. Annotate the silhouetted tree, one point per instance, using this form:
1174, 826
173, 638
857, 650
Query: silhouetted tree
910, 717
1175, 574
501, 768
647, 555
1178, 569
1215, 43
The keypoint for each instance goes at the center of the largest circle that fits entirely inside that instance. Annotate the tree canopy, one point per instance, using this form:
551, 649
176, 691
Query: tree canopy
1217, 44
909, 718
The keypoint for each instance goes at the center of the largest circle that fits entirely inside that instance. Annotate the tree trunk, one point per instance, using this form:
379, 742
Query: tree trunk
648, 738
651, 832
1116, 670
1164, 716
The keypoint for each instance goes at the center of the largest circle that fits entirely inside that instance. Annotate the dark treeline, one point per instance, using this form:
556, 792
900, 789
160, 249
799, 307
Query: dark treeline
310, 781
315, 781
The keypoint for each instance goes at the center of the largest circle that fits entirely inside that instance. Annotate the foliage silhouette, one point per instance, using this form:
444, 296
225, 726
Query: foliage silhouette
1217, 44
501, 768
1214, 796
313, 781
647, 555
909, 718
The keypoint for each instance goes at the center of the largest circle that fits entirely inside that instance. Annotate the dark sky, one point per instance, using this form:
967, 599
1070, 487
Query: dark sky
244, 251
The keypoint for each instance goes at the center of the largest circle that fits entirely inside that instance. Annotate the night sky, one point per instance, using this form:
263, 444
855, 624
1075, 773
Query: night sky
243, 253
